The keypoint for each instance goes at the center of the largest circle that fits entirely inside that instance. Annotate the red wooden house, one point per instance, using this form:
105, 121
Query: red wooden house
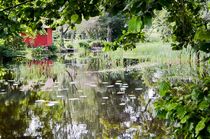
40, 40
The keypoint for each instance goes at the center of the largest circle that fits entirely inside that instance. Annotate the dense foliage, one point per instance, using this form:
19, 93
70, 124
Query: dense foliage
189, 17
26, 13
186, 107
11, 48
105, 27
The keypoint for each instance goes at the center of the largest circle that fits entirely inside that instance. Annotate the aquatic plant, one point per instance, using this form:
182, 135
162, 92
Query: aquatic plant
84, 45
41, 51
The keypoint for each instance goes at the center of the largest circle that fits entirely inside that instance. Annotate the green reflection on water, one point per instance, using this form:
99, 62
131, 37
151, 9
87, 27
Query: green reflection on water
80, 98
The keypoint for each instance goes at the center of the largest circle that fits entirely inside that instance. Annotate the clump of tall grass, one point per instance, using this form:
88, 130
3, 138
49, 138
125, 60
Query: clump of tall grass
154, 52
39, 72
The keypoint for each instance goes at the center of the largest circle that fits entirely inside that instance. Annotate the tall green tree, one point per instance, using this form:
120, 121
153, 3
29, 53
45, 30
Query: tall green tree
187, 16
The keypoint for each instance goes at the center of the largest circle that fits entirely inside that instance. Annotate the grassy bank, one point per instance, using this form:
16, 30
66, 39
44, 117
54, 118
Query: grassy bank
154, 52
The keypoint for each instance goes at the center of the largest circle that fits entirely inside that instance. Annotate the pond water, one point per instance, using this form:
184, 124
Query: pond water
78, 98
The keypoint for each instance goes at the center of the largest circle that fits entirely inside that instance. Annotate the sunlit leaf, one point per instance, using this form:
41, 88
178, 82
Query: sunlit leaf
202, 35
172, 106
134, 25
203, 105
200, 126
184, 120
74, 18
181, 111
164, 88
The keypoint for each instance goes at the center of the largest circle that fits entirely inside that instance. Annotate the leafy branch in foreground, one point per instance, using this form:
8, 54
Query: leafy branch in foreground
187, 16
186, 107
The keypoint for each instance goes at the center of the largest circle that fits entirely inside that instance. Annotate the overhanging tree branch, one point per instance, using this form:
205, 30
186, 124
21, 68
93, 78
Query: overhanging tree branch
12, 7
66, 30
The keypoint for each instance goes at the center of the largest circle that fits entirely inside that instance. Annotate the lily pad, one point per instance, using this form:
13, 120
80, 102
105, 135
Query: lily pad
73, 82
65, 89
120, 93
73, 99
110, 86
40, 101
60, 96
138, 89
134, 97
62, 89
15, 84
118, 83
93, 85
122, 89
122, 104
105, 82
52, 103
105, 98
83, 96
124, 86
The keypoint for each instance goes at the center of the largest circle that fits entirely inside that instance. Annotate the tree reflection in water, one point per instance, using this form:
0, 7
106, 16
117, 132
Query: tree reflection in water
70, 101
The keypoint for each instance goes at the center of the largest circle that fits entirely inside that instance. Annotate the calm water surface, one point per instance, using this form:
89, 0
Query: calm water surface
77, 99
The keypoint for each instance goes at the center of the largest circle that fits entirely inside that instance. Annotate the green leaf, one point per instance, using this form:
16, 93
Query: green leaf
184, 120
208, 5
202, 35
200, 126
208, 128
74, 18
191, 126
161, 114
169, 115
79, 20
148, 20
134, 25
195, 94
172, 106
106, 48
181, 111
164, 88
203, 105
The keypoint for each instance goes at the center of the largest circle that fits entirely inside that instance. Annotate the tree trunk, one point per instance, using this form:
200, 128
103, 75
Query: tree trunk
197, 58
197, 62
1, 60
109, 33
190, 58
72, 36
180, 58
62, 36
205, 67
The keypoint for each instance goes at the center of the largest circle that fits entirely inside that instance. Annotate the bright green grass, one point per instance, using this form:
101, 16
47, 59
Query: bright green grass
155, 52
